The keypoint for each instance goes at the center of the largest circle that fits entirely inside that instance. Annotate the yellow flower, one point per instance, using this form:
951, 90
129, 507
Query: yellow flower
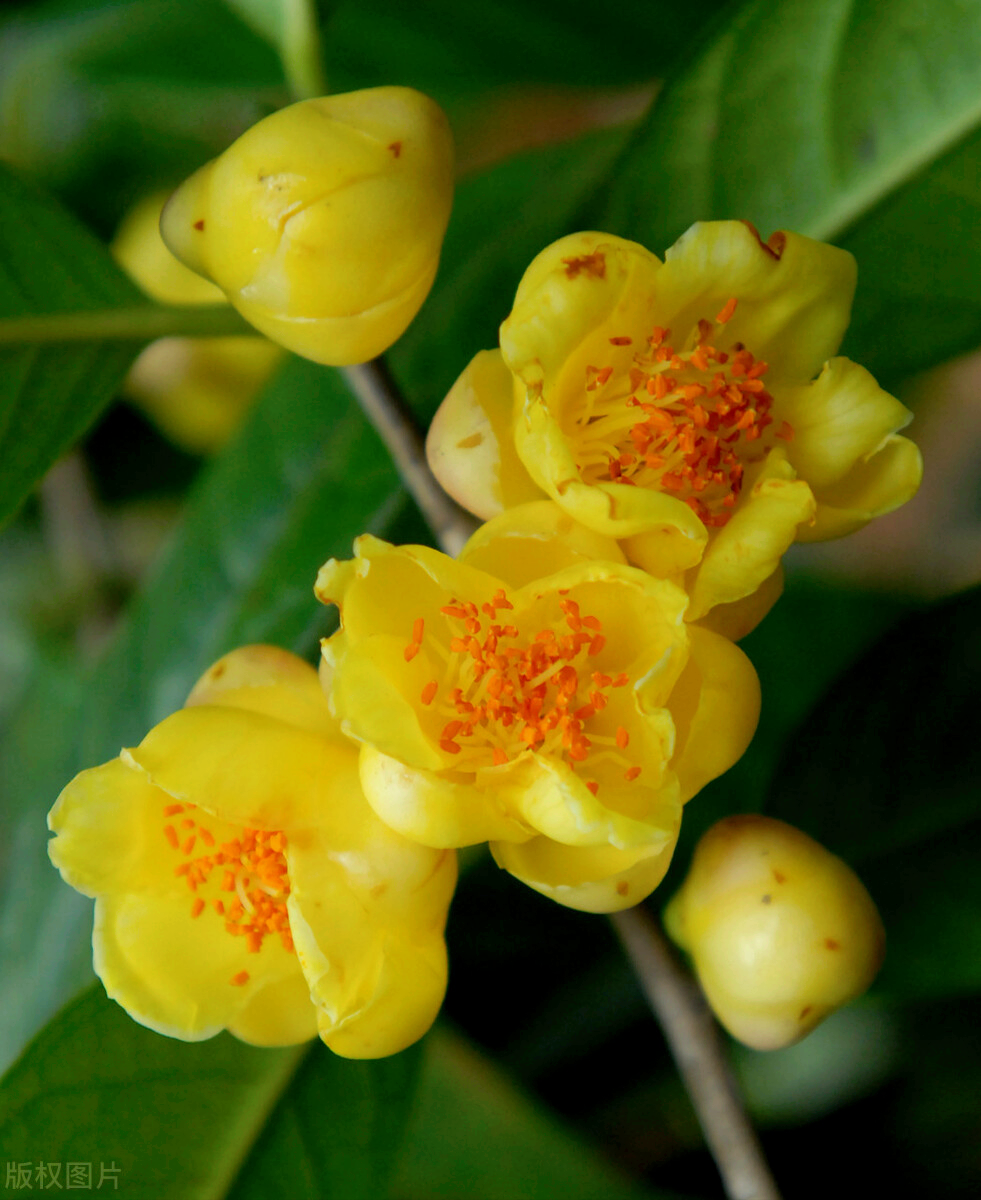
241, 882
781, 932
194, 389
563, 717
323, 224
674, 406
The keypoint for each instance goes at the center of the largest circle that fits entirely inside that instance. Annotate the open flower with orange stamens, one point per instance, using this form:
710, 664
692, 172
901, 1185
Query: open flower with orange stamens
241, 881
674, 406
563, 717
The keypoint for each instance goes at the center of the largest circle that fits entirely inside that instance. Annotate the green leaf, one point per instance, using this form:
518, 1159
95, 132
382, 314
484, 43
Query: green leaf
884, 771
847, 120
305, 476
49, 394
473, 1133
185, 1120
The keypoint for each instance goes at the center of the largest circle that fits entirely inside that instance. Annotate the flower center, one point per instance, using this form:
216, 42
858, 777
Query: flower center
244, 880
686, 422
506, 694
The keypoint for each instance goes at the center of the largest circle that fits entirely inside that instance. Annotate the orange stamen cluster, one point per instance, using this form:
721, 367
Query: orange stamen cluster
701, 411
252, 879
506, 694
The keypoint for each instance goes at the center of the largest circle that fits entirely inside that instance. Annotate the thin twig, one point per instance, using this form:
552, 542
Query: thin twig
673, 994
386, 410
697, 1048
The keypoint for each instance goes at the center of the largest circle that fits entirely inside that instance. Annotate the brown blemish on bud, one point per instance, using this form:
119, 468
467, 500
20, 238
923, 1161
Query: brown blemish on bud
199, 225
623, 887
593, 264
396, 148
779, 876
804, 1011
832, 944
767, 899
468, 443
218, 670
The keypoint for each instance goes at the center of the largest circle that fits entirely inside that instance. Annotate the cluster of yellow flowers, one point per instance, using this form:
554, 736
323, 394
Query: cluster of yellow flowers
277, 857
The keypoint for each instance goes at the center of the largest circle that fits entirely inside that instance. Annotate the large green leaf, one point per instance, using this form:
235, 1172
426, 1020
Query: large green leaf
70, 325
847, 120
472, 1133
184, 1120
303, 479
885, 772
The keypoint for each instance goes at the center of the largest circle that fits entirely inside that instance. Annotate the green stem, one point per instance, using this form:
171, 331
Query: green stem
142, 323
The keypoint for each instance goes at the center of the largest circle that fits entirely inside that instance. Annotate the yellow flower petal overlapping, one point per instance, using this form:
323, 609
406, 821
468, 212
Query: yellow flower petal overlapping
243, 883
689, 409
565, 718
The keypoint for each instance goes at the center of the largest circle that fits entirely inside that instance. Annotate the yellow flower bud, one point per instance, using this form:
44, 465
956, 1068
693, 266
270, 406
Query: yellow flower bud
782, 933
323, 223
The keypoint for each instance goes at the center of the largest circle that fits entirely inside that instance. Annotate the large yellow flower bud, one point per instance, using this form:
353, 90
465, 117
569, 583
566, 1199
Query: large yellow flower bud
781, 931
323, 223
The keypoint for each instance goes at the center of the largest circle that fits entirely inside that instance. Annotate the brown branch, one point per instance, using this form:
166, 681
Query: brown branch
696, 1045
384, 407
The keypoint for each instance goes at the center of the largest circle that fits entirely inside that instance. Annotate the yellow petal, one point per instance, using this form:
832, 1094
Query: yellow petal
367, 912
872, 488
110, 833
596, 879
734, 621
575, 294
142, 253
840, 419
432, 809
470, 445
173, 973
747, 550
277, 1014
245, 767
323, 223
792, 307
716, 707
268, 680
534, 540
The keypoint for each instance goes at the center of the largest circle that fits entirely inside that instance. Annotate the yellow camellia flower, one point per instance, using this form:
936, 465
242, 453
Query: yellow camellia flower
537, 693
674, 406
194, 389
323, 224
781, 932
241, 882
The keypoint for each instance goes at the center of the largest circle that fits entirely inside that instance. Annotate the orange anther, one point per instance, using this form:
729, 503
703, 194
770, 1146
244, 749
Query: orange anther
189, 844
171, 810
596, 645
726, 314
240, 979
197, 908
786, 431
418, 628
428, 694
411, 651
219, 907
623, 737
449, 747
170, 833
621, 341
500, 757
592, 785
207, 836
631, 774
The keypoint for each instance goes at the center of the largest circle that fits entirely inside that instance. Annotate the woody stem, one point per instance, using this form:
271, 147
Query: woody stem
673, 994
694, 1040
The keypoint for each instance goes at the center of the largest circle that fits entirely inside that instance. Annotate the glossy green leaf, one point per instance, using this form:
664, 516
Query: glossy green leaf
884, 771
305, 476
473, 1133
186, 1120
847, 120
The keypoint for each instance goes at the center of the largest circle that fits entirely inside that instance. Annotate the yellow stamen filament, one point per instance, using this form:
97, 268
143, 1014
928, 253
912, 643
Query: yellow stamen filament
254, 874
687, 422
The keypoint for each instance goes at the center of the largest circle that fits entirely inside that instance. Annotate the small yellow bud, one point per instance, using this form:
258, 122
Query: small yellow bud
782, 933
323, 224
